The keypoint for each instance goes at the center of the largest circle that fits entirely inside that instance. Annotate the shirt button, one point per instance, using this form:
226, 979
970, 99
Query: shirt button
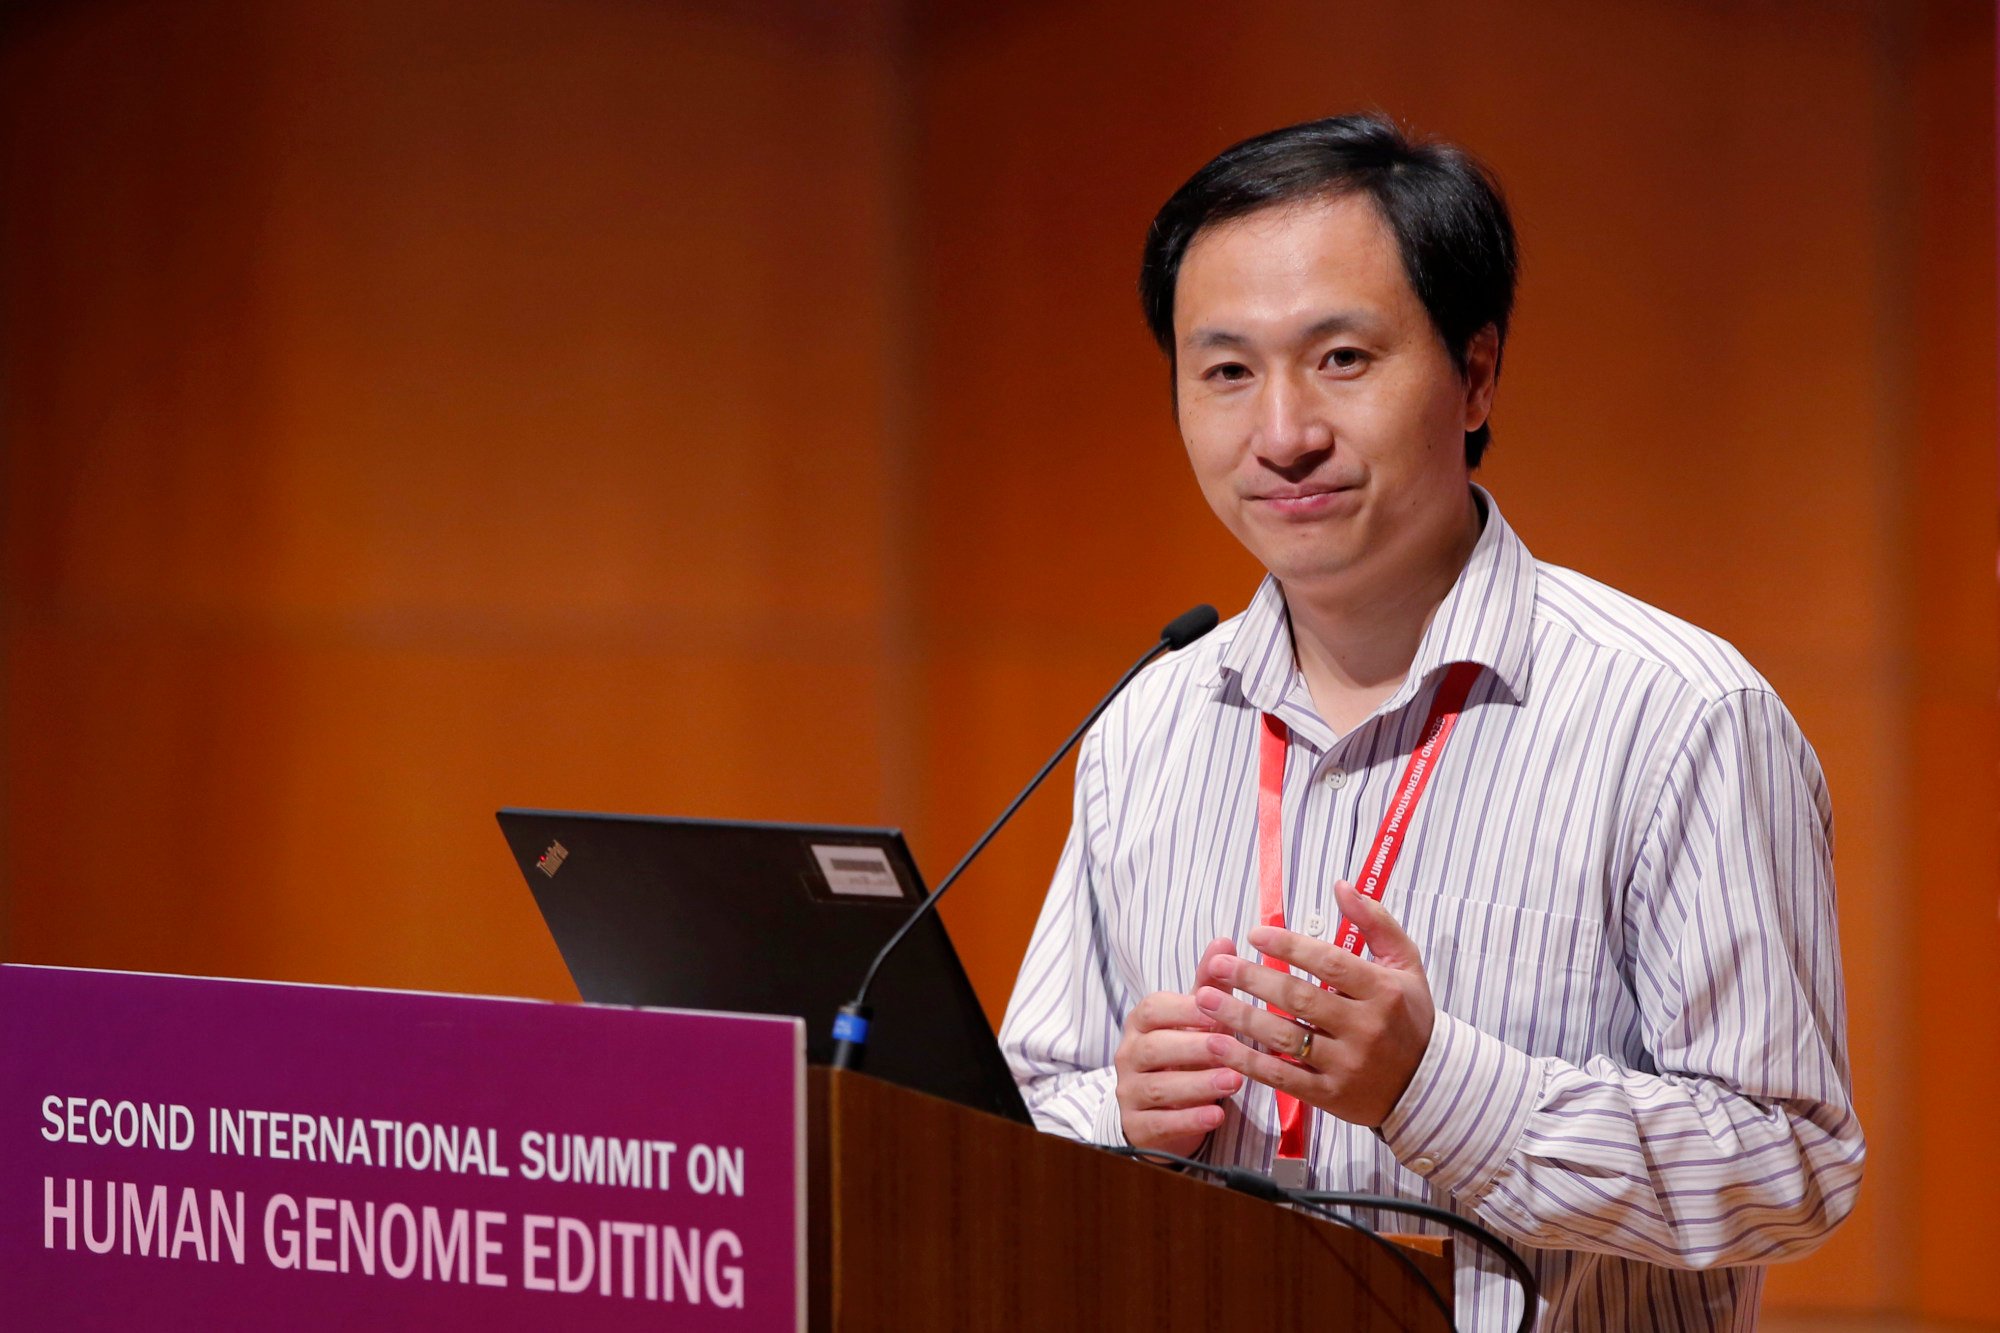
1422, 1165
1336, 778
1315, 923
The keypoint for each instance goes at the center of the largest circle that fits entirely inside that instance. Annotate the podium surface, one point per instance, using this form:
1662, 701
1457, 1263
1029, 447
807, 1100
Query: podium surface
926, 1215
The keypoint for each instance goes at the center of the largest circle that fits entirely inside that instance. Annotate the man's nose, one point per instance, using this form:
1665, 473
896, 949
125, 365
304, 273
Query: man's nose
1291, 424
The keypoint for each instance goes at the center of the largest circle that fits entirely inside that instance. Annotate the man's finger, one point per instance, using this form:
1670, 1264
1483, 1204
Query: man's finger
1156, 1126
1164, 1009
1173, 1091
1247, 1020
1204, 973
1171, 1048
1385, 938
1282, 991
1347, 974
1266, 1069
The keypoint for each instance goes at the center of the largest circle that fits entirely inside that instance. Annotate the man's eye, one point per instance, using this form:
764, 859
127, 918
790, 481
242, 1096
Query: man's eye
1345, 358
1230, 371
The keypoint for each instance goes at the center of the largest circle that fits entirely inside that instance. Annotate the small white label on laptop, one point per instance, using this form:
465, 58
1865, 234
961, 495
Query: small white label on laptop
862, 872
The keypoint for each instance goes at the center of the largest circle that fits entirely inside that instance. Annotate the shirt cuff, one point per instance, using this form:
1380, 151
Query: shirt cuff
1108, 1127
1465, 1108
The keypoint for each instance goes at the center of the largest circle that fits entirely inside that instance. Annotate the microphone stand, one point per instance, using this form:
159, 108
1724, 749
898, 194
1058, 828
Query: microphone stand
850, 1025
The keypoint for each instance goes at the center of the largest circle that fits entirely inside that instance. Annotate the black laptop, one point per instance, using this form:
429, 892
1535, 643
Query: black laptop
763, 918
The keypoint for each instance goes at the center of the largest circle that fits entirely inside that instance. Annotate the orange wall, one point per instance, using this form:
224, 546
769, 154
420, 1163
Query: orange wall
1951, 1013
412, 408
415, 409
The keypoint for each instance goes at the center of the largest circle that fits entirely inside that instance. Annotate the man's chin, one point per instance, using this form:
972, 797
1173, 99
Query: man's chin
1309, 577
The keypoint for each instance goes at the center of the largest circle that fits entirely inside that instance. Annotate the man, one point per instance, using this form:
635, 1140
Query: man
1600, 1008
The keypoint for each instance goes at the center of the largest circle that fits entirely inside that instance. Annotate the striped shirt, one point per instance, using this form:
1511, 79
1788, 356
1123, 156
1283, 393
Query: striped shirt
1620, 881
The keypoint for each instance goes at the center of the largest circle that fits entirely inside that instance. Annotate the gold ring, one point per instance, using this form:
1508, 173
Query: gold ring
1305, 1045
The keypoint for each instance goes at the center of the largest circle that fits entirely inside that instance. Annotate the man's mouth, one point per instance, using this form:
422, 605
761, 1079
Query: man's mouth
1306, 500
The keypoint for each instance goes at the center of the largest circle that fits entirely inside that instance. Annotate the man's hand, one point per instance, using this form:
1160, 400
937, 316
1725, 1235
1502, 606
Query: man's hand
1368, 1032
1170, 1083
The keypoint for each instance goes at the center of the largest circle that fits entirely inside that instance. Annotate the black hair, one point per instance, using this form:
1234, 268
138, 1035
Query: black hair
1445, 208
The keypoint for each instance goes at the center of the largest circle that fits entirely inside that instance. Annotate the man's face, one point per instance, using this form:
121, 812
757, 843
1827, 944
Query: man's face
1324, 417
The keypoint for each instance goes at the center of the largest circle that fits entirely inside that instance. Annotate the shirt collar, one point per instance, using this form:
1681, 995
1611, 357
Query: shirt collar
1487, 618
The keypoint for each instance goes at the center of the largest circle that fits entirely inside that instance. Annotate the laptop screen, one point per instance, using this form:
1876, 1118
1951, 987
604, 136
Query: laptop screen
766, 918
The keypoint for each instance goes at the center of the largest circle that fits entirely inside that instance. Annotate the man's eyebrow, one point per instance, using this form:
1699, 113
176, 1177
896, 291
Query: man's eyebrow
1205, 338
1208, 337
1343, 321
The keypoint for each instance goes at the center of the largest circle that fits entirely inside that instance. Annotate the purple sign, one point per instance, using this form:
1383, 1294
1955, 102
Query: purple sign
188, 1153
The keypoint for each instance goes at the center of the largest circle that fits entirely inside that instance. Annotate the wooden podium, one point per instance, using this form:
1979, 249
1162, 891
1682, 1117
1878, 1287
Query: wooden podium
193, 1153
926, 1215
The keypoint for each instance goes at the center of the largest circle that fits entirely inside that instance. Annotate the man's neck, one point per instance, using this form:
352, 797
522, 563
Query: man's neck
1354, 646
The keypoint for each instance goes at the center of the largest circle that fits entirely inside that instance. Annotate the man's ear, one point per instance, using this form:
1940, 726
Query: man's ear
1482, 376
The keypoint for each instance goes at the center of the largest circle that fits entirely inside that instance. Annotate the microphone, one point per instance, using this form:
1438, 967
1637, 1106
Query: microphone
1181, 631
850, 1026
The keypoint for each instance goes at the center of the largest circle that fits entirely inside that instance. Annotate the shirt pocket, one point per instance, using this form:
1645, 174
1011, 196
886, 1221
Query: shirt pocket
1526, 976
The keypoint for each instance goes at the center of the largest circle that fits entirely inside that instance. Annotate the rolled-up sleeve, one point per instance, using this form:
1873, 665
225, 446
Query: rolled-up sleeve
1068, 1009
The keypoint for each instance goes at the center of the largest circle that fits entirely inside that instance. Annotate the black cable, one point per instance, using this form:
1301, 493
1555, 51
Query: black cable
1355, 1224
1531, 1290
1245, 1181
1323, 1202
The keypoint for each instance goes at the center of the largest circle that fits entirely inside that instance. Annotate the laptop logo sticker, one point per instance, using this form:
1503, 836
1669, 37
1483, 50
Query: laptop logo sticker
551, 861
857, 872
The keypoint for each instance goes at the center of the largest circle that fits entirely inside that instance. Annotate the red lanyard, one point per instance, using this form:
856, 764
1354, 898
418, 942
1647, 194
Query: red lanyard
1271, 748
